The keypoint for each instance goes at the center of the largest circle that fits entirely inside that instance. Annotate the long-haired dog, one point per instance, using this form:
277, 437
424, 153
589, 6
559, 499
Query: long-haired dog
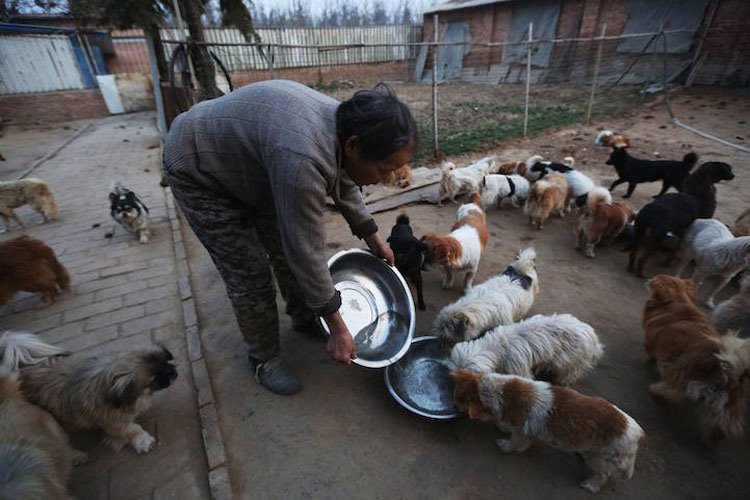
600, 219
545, 196
401, 177
734, 313
500, 300
701, 185
456, 181
694, 362
560, 349
635, 171
579, 184
33, 192
717, 254
28, 264
537, 167
409, 254
742, 224
35, 457
509, 168
608, 138
670, 213
497, 187
129, 211
536, 412
106, 393
461, 250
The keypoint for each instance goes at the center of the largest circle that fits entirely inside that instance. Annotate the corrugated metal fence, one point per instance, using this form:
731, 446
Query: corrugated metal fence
38, 63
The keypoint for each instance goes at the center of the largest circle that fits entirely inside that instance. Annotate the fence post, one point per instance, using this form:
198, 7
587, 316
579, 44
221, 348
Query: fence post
596, 73
156, 83
271, 55
434, 86
528, 82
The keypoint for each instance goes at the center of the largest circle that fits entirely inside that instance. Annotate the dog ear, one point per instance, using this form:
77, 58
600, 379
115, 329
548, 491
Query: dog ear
466, 393
690, 288
123, 391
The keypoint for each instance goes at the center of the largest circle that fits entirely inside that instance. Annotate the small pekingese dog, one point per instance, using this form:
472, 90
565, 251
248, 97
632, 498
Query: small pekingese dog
401, 177
34, 192
35, 457
128, 211
545, 196
600, 219
460, 180
106, 393
560, 349
498, 301
461, 250
531, 411
28, 264
694, 362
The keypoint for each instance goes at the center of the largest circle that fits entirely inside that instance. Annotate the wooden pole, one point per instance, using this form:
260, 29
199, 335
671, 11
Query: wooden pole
528, 82
596, 73
156, 83
434, 87
178, 15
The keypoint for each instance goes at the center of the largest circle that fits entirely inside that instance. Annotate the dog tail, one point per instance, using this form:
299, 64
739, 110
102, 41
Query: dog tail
9, 386
689, 160
19, 349
62, 276
402, 219
598, 196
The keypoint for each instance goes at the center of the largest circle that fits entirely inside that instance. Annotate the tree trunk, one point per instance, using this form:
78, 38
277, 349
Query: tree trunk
152, 30
204, 66
235, 13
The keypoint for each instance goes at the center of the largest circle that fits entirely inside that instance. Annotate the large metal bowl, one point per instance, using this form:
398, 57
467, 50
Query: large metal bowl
421, 381
376, 305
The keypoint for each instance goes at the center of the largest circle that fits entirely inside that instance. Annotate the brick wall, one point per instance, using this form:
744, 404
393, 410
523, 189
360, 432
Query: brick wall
726, 51
52, 106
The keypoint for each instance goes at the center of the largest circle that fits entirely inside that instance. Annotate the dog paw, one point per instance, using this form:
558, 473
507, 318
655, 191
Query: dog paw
143, 442
592, 484
590, 255
109, 235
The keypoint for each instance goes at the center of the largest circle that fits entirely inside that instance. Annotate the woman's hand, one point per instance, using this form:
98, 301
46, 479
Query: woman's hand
340, 344
379, 248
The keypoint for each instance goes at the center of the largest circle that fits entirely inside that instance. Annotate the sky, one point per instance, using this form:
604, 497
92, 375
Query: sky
317, 6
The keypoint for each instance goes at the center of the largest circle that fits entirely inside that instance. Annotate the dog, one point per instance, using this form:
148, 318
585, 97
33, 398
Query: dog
106, 393
461, 250
742, 224
600, 219
501, 300
35, 457
560, 349
537, 167
670, 213
607, 138
532, 411
28, 264
717, 254
734, 313
409, 254
635, 171
496, 187
509, 168
401, 177
467, 179
128, 211
579, 184
33, 192
701, 185
545, 196
693, 361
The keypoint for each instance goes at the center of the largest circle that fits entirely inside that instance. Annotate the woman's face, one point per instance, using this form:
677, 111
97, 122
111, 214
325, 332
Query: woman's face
365, 172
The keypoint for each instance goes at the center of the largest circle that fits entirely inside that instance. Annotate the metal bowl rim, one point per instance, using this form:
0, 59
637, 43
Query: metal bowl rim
403, 403
412, 312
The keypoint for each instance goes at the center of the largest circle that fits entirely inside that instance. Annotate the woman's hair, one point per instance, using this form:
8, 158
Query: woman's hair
381, 123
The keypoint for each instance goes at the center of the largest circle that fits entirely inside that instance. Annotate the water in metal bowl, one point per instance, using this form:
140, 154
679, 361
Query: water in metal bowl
376, 305
421, 381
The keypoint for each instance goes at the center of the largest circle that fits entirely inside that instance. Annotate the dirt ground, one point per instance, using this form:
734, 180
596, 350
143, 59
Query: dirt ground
343, 436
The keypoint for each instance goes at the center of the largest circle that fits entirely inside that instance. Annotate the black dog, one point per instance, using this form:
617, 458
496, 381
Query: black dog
634, 171
701, 185
409, 253
669, 213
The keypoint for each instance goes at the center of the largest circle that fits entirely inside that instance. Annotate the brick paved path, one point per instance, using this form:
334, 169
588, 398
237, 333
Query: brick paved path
124, 296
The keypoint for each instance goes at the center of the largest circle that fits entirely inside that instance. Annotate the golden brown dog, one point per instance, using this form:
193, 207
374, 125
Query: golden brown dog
401, 177
694, 362
28, 264
533, 411
598, 220
34, 192
546, 196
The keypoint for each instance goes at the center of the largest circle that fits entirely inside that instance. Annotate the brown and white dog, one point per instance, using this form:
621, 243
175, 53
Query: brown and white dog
456, 181
461, 250
600, 219
546, 196
532, 411
28, 264
694, 362
509, 168
607, 138
34, 192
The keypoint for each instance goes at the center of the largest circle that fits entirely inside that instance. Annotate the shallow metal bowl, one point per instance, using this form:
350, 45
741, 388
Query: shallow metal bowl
376, 306
421, 381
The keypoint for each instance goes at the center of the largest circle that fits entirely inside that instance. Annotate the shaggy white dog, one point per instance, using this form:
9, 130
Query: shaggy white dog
734, 313
559, 348
497, 187
718, 256
456, 181
498, 301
